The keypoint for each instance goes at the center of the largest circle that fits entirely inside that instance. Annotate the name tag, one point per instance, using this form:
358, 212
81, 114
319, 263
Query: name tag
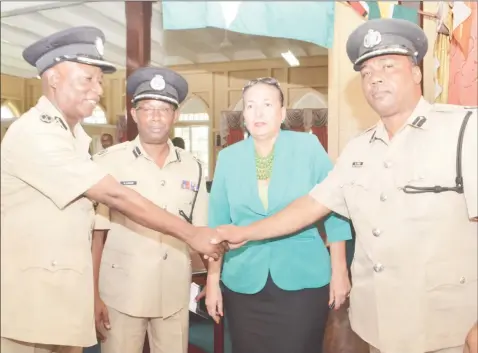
129, 182
357, 164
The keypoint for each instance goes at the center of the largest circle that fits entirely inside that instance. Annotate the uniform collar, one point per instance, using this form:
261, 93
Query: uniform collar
138, 150
417, 120
45, 106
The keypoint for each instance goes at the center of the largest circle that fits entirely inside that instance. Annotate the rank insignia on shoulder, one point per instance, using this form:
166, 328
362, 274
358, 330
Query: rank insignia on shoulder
128, 182
46, 118
357, 164
63, 125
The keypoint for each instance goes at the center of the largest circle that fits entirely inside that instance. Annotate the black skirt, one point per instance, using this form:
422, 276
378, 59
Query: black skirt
277, 321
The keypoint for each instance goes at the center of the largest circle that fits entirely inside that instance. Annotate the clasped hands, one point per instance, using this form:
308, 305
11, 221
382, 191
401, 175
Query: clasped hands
213, 243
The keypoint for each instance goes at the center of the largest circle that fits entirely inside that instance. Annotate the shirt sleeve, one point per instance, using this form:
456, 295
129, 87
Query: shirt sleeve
336, 227
219, 211
48, 161
102, 218
470, 166
200, 212
328, 190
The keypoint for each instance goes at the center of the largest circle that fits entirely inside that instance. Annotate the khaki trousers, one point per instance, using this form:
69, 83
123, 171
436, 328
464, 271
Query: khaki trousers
13, 346
446, 350
127, 333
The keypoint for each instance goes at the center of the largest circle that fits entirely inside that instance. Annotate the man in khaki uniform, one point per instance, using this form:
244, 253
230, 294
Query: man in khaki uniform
48, 183
145, 275
414, 272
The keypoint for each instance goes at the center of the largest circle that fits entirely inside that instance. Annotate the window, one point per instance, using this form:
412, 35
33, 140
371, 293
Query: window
9, 111
193, 127
98, 116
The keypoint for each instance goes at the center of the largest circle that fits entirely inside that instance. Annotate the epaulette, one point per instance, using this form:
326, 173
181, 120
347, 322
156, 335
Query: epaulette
443, 108
112, 149
181, 153
373, 127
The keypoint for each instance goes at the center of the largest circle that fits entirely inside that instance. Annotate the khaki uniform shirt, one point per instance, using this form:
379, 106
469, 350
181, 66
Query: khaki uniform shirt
46, 266
414, 272
145, 273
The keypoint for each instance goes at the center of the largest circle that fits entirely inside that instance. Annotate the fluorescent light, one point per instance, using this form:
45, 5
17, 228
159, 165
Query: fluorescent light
5, 41
290, 58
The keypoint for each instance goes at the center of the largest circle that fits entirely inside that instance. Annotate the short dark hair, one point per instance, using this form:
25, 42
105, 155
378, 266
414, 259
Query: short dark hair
179, 142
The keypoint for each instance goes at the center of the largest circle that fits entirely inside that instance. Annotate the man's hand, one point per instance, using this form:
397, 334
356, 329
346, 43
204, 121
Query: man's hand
102, 320
208, 242
234, 235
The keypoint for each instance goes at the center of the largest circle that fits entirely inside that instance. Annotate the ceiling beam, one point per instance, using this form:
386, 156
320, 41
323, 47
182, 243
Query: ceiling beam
14, 62
36, 23
11, 50
114, 32
16, 8
18, 36
104, 8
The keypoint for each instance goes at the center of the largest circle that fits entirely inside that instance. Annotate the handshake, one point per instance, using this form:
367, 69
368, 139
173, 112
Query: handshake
213, 243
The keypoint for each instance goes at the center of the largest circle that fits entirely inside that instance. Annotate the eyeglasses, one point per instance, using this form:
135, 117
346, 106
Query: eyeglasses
267, 80
156, 111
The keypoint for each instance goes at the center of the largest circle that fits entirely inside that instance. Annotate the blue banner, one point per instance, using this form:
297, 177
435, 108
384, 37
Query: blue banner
310, 21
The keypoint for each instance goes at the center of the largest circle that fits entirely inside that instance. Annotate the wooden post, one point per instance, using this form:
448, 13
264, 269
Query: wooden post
138, 48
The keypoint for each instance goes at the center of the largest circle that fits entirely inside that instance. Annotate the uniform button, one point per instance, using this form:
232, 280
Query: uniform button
462, 280
53, 263
383, 197
163, 182
376, 232
113, 265
378, 267
387, 164
165, 256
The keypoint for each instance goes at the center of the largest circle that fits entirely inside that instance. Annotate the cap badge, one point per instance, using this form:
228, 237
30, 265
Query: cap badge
99, 46
372, 38
157, 83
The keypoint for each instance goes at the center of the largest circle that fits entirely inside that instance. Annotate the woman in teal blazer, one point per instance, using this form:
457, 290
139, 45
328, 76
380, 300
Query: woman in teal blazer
276, 291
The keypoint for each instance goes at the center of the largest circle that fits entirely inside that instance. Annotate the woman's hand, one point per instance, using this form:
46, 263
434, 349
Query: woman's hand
214, 300
339, 288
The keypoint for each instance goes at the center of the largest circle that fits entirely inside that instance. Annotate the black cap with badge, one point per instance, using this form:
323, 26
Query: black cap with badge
84, 45
387, 36
157, 83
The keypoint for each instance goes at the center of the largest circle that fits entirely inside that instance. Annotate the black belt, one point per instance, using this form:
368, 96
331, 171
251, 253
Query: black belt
408, 189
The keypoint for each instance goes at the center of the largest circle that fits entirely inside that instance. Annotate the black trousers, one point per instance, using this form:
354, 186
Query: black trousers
277, 321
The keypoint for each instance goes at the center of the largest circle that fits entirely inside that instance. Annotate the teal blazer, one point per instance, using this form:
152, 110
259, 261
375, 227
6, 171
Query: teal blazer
295, 261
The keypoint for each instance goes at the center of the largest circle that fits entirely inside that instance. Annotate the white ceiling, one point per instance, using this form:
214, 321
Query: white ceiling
24, 22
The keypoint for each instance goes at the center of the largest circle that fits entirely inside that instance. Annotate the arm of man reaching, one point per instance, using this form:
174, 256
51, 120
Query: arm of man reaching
59, 172
327, 196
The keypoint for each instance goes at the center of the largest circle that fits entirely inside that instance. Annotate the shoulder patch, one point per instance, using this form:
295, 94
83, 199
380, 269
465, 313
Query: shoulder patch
45, 118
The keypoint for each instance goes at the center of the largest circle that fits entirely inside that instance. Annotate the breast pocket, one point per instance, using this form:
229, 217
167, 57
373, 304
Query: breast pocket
62, 259
356, 188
